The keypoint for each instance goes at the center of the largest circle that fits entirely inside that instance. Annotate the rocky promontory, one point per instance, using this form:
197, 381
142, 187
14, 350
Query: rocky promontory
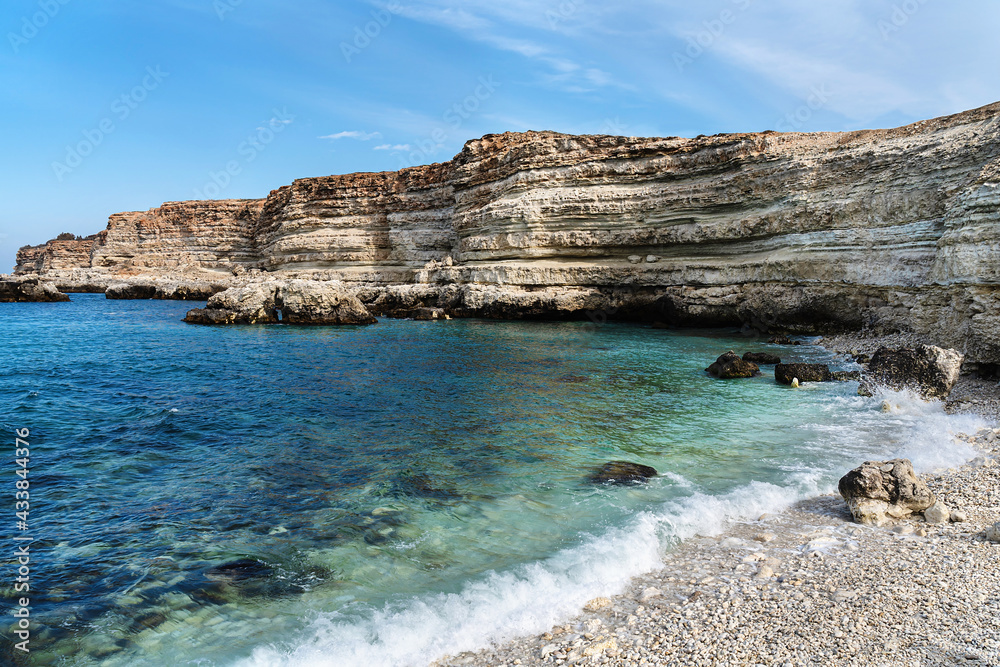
887, 230
29, 290
289, 302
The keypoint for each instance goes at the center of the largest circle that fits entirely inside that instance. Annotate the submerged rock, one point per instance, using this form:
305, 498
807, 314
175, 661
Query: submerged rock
785, 373
762, 358
622, 472
930, 371
30, 290
878, 492
306, 302
729, 366
240, 570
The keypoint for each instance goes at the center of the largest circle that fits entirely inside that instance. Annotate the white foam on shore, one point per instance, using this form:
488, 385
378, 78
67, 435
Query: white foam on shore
528, 600
532, 598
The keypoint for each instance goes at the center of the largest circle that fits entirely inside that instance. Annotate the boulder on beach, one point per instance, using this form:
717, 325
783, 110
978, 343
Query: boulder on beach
785, 373
930, 371
762, 358
307, 302
730, 366
622, 472
880, 492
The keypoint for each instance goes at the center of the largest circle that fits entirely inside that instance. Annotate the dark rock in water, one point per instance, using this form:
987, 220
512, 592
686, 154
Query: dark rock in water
930, 371
130, 291
730, 366
29, 290
661, 325
862, 358
622, 472
148, 621
240, 570
782, 339
878, 492
846, 376
420, 485
784, 373
762, 358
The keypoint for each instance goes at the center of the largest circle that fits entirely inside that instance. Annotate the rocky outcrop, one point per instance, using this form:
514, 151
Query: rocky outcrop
893, 230
291, 302
622, 472
880, 492
785, 373
927, 370
169, 290
30, 289
729, 367
765, 358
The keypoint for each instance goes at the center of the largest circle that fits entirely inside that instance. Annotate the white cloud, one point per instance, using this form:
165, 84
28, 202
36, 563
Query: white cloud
354, 134
393, 147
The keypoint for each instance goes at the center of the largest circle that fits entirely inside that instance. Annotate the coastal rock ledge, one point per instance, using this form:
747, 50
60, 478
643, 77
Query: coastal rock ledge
31, 290
888, 230
308, 302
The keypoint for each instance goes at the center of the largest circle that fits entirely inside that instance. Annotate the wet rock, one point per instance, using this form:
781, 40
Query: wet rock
30, 290
846, 376
622, 472
928, 370
729, 366
421, 486
879, 492
240, 570
598, 604
785, 373
782, 339
762, 358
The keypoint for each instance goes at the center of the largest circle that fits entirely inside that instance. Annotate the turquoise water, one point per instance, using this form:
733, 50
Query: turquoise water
402, 490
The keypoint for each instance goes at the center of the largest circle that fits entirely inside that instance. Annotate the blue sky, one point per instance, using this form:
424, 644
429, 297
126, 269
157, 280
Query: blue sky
112, 106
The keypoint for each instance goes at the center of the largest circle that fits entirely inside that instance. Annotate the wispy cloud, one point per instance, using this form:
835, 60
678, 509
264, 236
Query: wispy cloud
393, 147
354, 134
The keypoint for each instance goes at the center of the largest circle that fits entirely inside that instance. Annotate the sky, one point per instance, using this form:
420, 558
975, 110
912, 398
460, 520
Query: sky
112, 106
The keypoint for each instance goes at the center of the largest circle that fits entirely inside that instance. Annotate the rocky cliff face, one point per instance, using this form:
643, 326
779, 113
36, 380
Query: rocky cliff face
887, 229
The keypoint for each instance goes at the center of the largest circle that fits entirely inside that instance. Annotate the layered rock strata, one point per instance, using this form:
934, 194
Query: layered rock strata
891, 230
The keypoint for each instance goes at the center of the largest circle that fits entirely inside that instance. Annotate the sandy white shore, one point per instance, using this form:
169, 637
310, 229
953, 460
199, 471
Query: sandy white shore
808, 587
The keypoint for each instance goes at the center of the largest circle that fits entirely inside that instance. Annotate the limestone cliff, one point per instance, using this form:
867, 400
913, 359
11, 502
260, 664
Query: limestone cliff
887, 229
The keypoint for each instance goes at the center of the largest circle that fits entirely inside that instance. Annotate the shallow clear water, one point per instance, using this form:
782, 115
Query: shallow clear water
407, 489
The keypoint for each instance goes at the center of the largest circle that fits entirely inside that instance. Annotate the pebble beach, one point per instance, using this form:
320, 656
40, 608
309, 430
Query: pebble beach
809, 586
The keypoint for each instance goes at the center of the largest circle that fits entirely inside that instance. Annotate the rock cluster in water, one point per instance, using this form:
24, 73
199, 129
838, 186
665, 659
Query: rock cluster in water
292, 302
30, 290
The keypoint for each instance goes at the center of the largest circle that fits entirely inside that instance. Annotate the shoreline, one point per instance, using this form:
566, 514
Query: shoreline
808, 586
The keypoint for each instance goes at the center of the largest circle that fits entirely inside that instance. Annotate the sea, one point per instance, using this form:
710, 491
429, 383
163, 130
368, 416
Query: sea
258, 496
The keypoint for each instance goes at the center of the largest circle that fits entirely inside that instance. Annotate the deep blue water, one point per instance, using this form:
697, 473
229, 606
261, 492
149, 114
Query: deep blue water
395, 491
